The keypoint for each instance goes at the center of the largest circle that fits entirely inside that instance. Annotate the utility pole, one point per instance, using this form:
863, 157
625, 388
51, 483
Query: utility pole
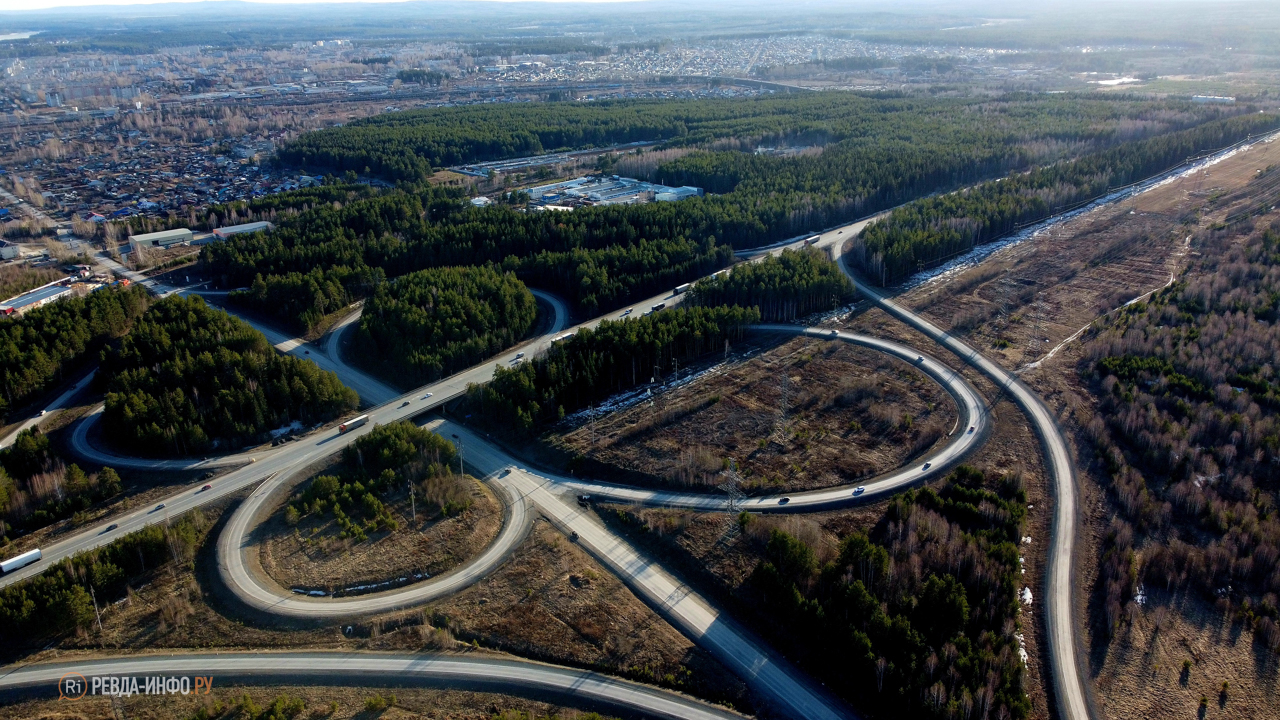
413, 501
460, 470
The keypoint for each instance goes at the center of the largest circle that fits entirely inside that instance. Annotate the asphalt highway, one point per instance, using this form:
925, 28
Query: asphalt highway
1070, 692
740, 651
59, 403
552, 495
498, 467
402, 670
237, 569
743, 653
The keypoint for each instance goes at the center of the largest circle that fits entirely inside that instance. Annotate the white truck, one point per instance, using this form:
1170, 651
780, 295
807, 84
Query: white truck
352, 424
682, 288
20, 561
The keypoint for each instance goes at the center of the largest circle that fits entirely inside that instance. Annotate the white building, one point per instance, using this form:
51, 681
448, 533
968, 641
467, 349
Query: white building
162, 239
253, 227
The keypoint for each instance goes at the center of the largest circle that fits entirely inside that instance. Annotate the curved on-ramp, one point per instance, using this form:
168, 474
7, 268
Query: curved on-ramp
1068, 687
688, 611
235, 542
434, 670
236, 539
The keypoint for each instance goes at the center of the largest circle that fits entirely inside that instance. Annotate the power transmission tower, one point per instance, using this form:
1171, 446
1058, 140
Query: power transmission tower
736, 496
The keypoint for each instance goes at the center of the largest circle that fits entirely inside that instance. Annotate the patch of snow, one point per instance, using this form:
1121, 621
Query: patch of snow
1026, 540
1026, 596
291, 427
1140, 595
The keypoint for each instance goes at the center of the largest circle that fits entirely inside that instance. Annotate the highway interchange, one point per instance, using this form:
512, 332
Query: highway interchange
529, 492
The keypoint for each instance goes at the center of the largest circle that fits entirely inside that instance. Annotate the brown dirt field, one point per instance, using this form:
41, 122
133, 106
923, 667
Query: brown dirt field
1081, 270
330, 703
847, 418
310, 555
552, 602
1143, 678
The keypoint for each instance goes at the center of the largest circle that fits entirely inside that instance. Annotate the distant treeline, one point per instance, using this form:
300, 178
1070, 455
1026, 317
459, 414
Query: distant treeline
794, 284
541, 46
189, 378
594, 364
875, 139
422, 77
928, 231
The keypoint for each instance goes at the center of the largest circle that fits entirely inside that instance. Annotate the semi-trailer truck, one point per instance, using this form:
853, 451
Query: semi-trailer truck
682, 288
20, 561
352, 424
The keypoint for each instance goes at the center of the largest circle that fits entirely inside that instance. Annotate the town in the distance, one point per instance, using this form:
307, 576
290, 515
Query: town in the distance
570, 360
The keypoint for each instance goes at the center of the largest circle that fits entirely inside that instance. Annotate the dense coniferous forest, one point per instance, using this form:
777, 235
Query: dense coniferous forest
431, 323
594, 364
324, 257
1187, 430
917, 132
793, 284
39, 348
869, 153
916, 619
189, 378
928, 231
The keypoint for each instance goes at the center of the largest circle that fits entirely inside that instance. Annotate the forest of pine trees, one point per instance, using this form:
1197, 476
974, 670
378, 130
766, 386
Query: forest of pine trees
432, 323
188, 378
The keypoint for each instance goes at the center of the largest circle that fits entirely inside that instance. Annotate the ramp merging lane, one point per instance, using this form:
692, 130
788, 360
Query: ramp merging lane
1069, 690
432, 670
524, 490
235, 544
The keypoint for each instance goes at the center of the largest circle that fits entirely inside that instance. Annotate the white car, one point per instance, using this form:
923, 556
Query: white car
424, 397
42, 413
858, 491
627, 312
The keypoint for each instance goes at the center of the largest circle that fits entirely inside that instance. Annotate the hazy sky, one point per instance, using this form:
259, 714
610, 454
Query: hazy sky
42, 4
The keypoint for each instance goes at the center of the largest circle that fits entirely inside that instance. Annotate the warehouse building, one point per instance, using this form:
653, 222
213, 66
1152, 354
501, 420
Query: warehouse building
253, 227
162, 239
36, 298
